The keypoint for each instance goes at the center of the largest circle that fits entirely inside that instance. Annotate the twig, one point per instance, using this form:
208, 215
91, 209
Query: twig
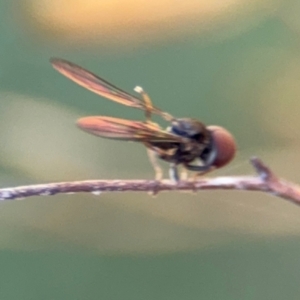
266, 181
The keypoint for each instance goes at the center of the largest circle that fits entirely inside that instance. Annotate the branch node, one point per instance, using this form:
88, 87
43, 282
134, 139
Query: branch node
155, 189
264, 172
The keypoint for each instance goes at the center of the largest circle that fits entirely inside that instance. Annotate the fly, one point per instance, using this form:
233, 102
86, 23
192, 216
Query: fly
187, 142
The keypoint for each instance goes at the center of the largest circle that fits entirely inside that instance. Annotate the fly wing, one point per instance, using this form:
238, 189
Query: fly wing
122, 129
94, 83
98, 85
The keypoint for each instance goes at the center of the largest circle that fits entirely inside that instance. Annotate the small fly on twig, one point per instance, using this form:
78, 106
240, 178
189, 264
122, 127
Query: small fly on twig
187, 142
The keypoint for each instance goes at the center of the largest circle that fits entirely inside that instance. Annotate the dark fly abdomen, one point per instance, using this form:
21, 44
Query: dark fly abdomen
197, 140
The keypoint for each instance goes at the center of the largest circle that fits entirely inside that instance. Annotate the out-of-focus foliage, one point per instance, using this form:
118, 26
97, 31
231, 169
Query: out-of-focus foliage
245, 81
230, 63
138, 22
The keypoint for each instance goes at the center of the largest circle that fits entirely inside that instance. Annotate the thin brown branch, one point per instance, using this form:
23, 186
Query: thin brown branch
266, 182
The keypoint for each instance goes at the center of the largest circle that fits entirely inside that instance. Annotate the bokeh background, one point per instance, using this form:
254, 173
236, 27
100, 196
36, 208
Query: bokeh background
234, 63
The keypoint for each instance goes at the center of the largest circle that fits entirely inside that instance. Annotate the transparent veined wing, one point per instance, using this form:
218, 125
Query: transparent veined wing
100, 86
122, 129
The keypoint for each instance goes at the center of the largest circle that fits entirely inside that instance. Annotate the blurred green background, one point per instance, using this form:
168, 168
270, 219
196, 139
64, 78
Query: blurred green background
236, 65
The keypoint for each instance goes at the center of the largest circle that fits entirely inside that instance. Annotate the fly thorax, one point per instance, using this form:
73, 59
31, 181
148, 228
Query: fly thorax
189, 128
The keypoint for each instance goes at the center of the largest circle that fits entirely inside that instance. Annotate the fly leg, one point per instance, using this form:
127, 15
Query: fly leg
157, 169
201, 171
196, 176
207, 167
173, 173
153, 153
204, 171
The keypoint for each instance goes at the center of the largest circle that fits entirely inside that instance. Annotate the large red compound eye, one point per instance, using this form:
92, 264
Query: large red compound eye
225, 145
